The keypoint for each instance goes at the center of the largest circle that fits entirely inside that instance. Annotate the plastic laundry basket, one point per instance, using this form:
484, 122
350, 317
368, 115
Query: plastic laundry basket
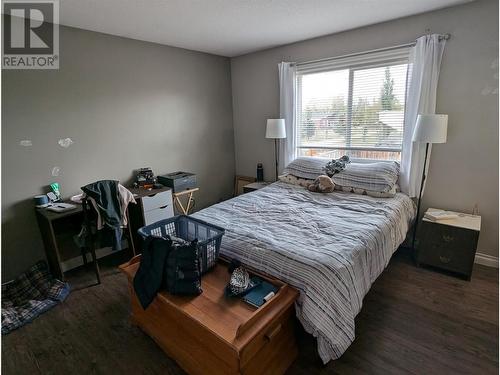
188, 228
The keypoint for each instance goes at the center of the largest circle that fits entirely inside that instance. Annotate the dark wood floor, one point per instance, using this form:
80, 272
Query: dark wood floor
414, 320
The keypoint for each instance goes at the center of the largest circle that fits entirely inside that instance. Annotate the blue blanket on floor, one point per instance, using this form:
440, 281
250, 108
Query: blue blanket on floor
29, 295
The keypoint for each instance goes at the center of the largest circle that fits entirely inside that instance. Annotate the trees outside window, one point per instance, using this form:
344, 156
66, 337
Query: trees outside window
356, 111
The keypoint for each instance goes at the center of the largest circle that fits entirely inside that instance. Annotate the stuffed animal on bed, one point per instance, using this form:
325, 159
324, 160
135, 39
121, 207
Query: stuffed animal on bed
322, 184
336, 165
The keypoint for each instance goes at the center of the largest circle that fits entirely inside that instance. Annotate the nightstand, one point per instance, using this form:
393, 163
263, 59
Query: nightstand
255, 186
449, 244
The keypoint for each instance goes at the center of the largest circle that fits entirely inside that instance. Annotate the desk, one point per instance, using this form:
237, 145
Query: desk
58, 229
51, 224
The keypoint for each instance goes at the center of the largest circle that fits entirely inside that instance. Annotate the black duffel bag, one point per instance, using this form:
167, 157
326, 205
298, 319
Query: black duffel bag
167, 263
182, 272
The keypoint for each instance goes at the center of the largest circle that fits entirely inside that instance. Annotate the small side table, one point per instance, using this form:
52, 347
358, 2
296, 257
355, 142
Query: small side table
255, 186
184, 208
449, 244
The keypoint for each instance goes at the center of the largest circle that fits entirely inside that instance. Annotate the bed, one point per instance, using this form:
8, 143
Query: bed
331, 247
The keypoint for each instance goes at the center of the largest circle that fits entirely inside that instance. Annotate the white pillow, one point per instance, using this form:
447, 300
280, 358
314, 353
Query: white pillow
376, 194
294, 180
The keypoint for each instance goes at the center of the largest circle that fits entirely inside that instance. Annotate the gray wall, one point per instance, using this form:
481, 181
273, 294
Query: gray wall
126, 104
464, 171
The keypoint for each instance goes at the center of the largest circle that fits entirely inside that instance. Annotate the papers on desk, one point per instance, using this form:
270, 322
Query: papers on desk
438, 215
61, 207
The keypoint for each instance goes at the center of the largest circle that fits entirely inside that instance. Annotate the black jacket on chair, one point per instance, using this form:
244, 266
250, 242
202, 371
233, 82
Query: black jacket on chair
106, 196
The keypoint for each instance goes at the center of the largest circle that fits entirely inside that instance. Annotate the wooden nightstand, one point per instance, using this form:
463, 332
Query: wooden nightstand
449, 244
255, 186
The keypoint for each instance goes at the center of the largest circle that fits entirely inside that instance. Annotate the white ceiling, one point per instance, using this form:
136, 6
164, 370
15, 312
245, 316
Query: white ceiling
234, 27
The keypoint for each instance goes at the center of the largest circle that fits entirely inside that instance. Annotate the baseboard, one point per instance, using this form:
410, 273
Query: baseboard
486, 260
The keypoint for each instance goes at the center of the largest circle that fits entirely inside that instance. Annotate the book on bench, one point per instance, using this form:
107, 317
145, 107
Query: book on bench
257, 296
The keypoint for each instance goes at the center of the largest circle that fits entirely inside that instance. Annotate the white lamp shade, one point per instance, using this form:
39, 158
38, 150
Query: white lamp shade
431, 129
275, 128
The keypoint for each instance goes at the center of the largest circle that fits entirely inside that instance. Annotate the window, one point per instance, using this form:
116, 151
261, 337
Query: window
353, 106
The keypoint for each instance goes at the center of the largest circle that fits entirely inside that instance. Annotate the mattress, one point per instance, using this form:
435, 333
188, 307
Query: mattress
331, 247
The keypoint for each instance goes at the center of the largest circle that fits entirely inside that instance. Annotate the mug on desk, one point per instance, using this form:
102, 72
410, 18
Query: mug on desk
41, 201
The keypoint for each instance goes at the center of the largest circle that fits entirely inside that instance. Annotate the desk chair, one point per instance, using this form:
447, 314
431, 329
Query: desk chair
87, 210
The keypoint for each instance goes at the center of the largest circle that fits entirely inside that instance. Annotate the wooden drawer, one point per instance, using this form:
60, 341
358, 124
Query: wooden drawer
211, 334
158, 200
152, 205
447, 247
270, 351
157, 214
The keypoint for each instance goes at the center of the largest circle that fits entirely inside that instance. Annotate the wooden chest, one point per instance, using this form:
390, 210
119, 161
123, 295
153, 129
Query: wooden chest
210, 334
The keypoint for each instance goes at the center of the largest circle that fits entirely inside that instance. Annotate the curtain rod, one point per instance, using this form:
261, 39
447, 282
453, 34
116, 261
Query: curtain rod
411, 44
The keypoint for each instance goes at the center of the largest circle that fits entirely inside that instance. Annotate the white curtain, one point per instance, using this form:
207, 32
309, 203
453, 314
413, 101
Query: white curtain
425, 62
287, 111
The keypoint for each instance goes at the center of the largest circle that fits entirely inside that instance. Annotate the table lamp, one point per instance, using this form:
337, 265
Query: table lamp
275, 129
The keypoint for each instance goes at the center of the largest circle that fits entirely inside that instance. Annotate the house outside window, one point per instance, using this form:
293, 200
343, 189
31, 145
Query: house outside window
352, 106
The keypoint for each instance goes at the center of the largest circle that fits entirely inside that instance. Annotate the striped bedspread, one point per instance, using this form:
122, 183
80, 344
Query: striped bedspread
331, 247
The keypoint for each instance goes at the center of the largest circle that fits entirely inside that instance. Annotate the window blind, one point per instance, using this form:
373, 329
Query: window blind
353, 106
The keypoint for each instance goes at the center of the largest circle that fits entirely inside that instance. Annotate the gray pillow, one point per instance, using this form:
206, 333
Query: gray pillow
306, 167
376, 177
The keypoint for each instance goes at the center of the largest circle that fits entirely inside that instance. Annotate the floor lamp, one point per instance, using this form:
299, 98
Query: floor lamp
275, 129
429, 129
